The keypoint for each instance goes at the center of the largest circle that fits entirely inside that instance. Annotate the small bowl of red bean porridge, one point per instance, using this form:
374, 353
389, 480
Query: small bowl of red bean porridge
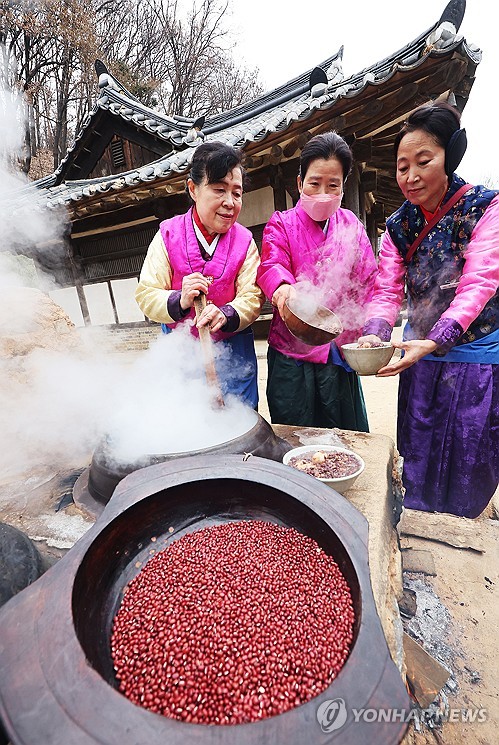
336, 466
368, 358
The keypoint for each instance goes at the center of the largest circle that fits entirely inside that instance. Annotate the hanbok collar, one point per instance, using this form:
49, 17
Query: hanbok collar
428, 216
208, 242
213, 266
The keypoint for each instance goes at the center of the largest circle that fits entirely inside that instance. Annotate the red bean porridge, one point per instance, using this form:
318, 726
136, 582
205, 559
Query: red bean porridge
326, 465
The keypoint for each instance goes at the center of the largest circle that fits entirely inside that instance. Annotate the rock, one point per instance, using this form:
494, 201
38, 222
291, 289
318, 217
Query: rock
30, 319
408, 603
414, 560
20, 562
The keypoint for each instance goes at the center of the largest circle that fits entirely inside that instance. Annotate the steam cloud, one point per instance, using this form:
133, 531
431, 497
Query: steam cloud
332, 282
61, 394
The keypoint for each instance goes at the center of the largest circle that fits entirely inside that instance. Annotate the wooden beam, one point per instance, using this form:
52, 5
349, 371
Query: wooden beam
297, 143
425, 675
362, 149
113, 302
369, 180
112, 255
257, 161
115, 227
275, 155
460, 532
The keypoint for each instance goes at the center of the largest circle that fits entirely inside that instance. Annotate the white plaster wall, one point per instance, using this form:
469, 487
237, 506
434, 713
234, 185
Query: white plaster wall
126, 305
99, 304
67, 299
258, 206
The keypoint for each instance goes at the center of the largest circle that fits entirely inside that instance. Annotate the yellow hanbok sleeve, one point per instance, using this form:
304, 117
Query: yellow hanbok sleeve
155, 280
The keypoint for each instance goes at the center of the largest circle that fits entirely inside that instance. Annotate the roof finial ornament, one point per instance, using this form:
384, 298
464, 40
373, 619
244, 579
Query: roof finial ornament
107, 80
100, 68
454, 13
448, 25
317, 82
105, 77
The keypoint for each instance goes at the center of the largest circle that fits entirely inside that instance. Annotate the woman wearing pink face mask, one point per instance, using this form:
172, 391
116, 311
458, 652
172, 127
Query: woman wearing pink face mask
325, 248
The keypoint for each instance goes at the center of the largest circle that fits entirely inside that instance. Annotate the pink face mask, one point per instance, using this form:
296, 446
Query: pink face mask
320, 206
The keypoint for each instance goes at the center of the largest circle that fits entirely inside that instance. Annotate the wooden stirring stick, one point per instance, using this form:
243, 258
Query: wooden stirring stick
207, 347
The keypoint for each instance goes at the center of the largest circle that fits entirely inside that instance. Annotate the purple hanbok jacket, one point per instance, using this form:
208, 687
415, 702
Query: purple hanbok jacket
339, 268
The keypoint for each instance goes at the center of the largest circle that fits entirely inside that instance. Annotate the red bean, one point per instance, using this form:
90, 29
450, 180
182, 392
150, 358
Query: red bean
231, 624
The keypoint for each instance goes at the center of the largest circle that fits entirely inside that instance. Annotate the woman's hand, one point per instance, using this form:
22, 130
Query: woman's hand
212, 317
192, 286
413, 351
280, 296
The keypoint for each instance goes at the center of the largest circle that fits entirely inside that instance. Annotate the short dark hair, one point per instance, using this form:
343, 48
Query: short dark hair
323, 147
439, 119
214, 160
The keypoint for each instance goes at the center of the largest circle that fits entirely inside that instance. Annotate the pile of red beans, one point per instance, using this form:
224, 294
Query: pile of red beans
231, 624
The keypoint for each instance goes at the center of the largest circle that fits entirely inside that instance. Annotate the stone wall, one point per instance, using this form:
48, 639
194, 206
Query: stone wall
132, 337
135, 337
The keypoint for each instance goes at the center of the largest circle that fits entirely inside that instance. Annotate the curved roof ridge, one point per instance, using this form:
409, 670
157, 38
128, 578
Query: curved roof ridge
287, 90
181, 123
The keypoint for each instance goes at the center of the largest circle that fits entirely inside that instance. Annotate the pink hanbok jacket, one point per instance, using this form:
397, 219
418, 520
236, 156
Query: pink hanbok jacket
339, 269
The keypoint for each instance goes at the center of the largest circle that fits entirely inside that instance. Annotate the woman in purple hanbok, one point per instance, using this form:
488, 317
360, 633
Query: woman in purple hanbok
443, 245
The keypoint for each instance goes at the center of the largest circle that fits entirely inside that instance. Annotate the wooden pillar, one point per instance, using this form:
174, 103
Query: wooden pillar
362, 203
83, 303
76, 274
351, 199
113, 302
372, 230
279, 188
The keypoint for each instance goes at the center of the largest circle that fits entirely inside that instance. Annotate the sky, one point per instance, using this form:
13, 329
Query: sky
284, 39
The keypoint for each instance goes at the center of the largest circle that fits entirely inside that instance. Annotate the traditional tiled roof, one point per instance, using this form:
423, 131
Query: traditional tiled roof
247, 126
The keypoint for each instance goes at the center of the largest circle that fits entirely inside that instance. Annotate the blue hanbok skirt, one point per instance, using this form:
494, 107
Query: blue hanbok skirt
237, 367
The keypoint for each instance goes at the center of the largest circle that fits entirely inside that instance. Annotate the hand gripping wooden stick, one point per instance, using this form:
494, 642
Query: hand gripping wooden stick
207, 347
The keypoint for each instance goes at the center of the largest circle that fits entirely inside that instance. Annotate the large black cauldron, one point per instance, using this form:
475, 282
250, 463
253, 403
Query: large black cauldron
57, 685
95, 486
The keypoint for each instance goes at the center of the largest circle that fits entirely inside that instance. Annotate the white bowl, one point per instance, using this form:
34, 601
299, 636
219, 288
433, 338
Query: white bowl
339, 484
367, 360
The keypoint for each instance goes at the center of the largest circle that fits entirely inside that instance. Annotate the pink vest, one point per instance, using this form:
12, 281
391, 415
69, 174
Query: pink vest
224, 266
